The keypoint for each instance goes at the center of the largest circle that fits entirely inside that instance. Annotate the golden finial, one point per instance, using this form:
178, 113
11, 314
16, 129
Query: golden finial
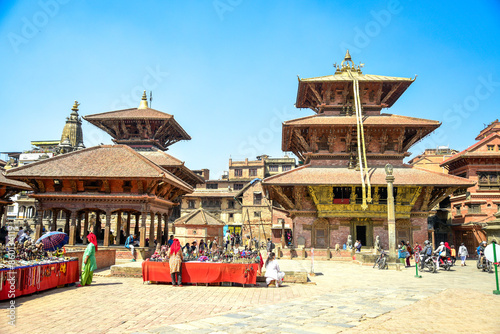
75, 106
144, 102
347, 56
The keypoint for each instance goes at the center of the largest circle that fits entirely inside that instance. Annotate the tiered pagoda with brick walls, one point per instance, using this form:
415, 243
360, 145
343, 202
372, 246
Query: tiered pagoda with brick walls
133, 178
476, 212
341, 189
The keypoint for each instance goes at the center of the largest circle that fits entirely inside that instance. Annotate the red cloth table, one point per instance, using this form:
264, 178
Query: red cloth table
202, 272
30, 279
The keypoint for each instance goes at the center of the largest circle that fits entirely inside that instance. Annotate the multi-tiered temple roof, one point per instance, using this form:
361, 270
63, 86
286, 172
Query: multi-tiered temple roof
140, 127
347, 143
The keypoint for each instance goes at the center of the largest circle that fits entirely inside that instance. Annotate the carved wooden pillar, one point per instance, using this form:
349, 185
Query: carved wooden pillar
118, 227
55, 213
159, 229
137, 223
3, 215
38, 221
85, 227
72, 228
78, 226
127, 225
66, 226
152, 216
142, 229
107, 229
165, 228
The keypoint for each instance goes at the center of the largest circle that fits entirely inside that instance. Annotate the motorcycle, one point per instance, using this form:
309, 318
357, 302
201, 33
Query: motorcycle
381, 261
484, 264
444, 262
427, 262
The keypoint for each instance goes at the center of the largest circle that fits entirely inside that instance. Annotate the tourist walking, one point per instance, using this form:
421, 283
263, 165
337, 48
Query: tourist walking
88, 261
270, 245
453, 254
175, 263
131, 243
273, 272
463, 253
402, 252
409, 253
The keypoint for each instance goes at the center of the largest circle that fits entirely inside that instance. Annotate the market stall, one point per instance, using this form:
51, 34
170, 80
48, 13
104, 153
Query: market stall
202, 272
25, 280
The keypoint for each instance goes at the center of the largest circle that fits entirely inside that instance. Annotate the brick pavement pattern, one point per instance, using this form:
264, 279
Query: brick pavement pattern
346, 298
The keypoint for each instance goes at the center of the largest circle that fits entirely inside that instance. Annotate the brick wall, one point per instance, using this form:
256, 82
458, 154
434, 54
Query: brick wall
104, 257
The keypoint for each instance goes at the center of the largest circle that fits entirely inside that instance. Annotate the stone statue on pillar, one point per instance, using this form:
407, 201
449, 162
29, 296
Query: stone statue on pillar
349, 242
377, 244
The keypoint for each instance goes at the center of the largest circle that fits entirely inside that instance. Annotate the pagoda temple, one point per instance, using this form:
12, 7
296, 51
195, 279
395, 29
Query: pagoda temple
341, 189
112, 180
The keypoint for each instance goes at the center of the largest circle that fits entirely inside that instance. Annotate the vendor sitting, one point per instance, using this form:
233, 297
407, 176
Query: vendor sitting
131, 243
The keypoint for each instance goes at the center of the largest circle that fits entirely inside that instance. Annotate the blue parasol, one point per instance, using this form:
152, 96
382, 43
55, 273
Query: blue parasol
53, 240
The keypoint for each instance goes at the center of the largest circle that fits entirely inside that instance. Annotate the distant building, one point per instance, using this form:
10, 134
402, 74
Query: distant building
475, 210
23, 208
197, 225
237, 198
432, 157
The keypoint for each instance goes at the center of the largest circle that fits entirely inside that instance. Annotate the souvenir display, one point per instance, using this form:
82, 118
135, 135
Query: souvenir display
217, 256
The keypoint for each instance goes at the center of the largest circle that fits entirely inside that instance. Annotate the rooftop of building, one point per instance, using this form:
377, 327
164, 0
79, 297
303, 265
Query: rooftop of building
199, 217
490, 128
374, 120
472, 152
105, 161
329, 175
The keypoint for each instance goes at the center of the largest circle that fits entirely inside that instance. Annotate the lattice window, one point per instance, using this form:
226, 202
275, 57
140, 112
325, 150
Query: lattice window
474, 208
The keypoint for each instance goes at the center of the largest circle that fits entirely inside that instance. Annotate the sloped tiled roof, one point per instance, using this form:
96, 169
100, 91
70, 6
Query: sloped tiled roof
106, 161
161, 158
129, 114
403, 176
382, 120
198, 217
172, 164
12, 183
344, 76
470, 152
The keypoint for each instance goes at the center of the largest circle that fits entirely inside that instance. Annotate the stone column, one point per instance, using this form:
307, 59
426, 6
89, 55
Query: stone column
127, 225
72, 229
142, 229
107, 229
391, 214
118, 227
152, 229
85, 227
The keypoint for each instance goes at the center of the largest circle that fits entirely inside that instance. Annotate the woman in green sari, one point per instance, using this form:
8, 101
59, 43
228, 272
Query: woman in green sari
89, 263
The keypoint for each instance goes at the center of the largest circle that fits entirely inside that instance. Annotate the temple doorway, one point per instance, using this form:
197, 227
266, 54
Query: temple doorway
362, 230
361, 234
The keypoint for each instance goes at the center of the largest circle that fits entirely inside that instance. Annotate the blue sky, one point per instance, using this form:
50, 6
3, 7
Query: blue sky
227, 69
